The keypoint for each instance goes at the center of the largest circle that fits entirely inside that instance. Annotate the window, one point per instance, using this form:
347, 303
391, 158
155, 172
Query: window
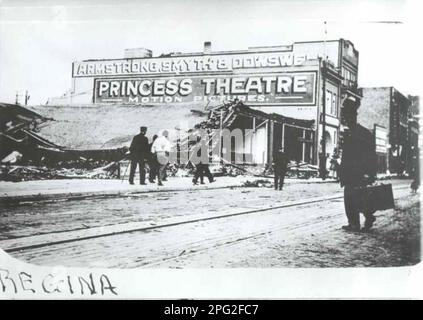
346, 74
331, 105
334, 109
328, 102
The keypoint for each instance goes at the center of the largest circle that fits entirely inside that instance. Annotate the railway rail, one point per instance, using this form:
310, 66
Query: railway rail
68, 239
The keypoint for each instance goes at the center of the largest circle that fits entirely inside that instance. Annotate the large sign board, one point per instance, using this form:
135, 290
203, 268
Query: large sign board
186, 64
288, 88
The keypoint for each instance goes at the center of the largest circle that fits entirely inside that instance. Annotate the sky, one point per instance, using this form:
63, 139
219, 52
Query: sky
39, 40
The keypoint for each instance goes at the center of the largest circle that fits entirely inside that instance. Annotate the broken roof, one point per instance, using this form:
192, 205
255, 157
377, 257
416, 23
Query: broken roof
16, 113
113, 126
230, 111
224, 117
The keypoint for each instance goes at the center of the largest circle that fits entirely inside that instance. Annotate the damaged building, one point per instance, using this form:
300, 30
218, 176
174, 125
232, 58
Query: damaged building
292, 96
257, 137
26, 154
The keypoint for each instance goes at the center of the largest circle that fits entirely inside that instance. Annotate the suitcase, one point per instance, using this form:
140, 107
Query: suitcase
377, 197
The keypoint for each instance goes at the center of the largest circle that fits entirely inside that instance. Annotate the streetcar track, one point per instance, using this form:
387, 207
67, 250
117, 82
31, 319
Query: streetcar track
155, 227
152, 227
162, 256
288, 230
173, 250
54, 198
219, 239
317, 225
135, 256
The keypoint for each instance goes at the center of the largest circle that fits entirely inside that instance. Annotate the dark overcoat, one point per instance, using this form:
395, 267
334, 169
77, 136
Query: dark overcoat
140, 148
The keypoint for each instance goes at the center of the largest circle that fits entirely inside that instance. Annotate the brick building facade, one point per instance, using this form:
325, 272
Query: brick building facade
386, 110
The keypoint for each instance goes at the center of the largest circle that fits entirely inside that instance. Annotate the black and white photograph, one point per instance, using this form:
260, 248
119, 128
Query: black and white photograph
210, 149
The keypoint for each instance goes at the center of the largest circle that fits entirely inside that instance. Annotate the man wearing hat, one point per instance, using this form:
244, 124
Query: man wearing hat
280, 166
139, 153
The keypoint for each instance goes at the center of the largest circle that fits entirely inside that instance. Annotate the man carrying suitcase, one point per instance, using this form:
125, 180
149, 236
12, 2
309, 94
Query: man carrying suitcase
357, 170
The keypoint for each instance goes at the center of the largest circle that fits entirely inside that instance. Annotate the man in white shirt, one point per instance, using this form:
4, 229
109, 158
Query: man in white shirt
161, 148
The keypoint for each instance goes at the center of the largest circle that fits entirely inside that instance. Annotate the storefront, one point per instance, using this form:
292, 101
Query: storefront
381, 145
387, 108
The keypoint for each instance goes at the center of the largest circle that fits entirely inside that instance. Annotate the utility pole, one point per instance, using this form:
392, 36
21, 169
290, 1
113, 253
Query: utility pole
322, 158
220, 136
26, 97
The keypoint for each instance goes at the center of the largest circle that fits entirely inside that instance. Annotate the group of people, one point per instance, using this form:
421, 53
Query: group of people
356, 170
156, 155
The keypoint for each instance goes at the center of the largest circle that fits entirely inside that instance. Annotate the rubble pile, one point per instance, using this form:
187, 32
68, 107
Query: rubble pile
25, 155
302, 170
257, 183
17, 173
223, 117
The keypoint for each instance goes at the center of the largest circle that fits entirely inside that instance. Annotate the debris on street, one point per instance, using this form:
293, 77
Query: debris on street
25, 173
257, 183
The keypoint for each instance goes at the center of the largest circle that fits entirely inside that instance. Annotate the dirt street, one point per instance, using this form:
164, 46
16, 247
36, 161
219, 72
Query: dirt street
44, 217
307, 235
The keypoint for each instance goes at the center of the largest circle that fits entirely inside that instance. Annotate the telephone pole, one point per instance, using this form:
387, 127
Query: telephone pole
26, 97
322, 158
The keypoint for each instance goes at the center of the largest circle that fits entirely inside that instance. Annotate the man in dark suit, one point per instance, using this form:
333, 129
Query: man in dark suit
202, 165
280, 166
357, 170
139, 153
